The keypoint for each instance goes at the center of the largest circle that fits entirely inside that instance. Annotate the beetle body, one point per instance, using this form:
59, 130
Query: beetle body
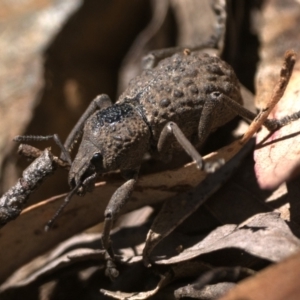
177, 90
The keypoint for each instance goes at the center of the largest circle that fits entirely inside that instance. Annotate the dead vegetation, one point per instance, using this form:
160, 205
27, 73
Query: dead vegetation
206, 233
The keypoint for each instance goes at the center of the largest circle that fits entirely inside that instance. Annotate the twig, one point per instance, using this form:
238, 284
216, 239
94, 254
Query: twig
33, 153
285, 75
12, 202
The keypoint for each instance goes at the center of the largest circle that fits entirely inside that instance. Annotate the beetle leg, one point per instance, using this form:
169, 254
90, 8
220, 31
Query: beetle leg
116, 203
40, 138
270, 124
100, 102
204, 128
206, 120
172, 129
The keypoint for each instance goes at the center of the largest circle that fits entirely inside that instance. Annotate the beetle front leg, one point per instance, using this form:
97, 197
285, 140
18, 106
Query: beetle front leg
100, 102
116, 203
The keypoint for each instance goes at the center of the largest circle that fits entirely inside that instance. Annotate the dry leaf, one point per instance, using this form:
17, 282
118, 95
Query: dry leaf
26, 31
136, 295
277, 157
278, 282
213, 291
264, 235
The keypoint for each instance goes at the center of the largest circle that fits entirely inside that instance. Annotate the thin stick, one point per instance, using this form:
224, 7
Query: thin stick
33, 153
12, 202
285, 75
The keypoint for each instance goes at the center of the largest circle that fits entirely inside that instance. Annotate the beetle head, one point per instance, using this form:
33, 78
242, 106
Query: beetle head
114, 138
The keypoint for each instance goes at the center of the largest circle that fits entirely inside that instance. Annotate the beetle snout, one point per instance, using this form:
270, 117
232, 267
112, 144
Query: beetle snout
84, 181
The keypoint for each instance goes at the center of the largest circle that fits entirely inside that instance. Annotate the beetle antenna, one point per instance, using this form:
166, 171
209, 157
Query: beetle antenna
61, 208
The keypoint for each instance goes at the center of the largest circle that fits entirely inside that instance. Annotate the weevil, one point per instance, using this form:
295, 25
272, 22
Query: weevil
176, 104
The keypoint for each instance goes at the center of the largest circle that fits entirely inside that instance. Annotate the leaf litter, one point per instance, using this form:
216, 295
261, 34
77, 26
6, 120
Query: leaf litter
267, 226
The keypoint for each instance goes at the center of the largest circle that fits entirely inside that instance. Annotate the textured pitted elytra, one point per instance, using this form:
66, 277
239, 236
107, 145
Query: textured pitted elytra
177, 89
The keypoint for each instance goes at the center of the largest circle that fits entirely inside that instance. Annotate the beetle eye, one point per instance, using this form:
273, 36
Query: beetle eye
97, 160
